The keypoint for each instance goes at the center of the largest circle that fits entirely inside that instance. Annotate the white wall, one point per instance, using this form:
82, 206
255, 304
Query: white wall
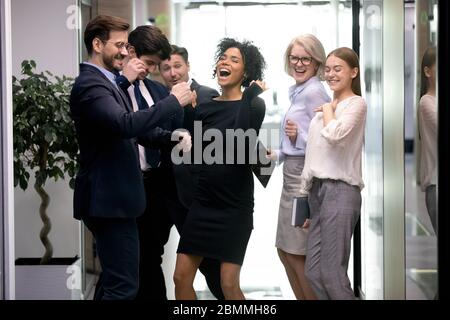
43, 31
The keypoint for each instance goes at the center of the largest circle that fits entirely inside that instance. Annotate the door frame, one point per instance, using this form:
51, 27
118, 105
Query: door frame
7, 252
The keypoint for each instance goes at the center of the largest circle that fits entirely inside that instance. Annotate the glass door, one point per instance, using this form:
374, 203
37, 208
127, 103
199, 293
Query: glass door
90, 265
421, 119
382, 217
6, 168
2, 227
372, 209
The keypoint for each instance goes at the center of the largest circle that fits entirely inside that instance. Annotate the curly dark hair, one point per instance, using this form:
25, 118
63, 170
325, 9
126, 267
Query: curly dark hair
254, 63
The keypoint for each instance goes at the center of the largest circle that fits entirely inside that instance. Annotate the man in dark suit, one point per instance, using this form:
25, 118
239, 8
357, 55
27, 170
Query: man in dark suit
175, 70
148, 44
109, 193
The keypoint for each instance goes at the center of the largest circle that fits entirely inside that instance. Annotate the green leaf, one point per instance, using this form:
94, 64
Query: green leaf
72, 183
41, 119
48, 136
23, 183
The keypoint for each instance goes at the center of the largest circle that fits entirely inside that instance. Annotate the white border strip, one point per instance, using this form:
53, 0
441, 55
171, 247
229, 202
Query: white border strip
7, 151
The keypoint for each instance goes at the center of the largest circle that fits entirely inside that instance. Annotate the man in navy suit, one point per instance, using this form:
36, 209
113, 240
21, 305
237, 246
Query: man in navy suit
148, 44
175, 70
109, 192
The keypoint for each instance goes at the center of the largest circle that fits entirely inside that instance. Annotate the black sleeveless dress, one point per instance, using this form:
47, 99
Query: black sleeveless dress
220, 220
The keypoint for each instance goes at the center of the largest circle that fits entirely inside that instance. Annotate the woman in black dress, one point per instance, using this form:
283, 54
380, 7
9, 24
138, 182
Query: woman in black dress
220, 220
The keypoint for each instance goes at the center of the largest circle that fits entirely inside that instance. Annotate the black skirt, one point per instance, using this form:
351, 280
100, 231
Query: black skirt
220, 220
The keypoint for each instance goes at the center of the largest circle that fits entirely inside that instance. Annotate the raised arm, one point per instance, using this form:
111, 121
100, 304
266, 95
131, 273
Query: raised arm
252, 112
99, 106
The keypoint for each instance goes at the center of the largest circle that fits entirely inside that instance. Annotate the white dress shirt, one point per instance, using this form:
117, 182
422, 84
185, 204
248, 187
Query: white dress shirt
150, 102
334, 152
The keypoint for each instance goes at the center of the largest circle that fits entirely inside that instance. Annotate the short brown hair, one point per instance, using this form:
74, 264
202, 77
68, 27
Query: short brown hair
181, 51
100, 27
150, 40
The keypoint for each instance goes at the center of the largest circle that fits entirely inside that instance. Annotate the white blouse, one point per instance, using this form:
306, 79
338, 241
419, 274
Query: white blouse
428, 140
334, 152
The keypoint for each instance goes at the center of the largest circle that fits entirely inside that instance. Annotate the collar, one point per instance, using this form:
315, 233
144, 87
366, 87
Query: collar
111, 76
297, 88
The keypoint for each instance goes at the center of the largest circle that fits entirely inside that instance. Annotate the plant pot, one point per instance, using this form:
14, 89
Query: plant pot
59, 280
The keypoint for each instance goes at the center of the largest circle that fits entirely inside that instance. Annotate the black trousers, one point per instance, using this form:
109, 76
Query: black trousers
163, 211
118, 251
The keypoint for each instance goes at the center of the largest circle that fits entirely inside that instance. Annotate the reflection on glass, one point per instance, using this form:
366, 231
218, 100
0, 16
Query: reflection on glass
372, 209
428, 132
421, 156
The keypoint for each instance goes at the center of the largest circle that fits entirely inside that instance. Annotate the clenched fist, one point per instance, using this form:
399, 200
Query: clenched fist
271, 155
290, 129
134, 69
183, 93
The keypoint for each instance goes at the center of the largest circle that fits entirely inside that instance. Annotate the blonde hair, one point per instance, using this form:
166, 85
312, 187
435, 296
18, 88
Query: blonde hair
313, 46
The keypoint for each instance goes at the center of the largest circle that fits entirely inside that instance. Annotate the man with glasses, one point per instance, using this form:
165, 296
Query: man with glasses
109, 192
148, 46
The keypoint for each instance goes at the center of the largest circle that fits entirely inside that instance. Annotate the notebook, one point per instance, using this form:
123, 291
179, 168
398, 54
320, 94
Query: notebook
300, 211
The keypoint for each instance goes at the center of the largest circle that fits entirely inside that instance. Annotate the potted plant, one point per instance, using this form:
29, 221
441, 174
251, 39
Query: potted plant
44, 143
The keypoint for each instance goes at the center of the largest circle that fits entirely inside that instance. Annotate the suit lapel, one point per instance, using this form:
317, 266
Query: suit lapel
125, 99
118, 93
153, 90
194, 85
158, 94
123, 95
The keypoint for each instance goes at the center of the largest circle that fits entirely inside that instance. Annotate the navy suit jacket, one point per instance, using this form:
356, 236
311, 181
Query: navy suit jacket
159, 137
109, 182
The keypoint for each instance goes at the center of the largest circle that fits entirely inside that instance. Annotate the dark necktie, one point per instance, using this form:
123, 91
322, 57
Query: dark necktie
151, 155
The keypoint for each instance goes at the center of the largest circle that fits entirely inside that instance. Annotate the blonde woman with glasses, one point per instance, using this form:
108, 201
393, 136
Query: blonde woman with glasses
304, 62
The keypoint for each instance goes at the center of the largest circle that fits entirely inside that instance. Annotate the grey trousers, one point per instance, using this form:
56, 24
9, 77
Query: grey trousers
335, 209
430, 201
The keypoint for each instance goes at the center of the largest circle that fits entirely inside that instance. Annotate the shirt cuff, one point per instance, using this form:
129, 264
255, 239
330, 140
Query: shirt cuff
300, 143
305, 186
280, 157
123, 82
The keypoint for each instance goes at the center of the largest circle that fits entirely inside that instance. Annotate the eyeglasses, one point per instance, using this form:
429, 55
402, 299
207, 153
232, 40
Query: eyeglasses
306, 61
119, 45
